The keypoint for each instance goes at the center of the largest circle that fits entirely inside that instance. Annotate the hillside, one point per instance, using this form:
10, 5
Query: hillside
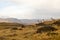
46, 30
21, 21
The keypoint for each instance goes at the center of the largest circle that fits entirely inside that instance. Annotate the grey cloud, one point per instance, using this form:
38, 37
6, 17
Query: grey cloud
34, 8
46, 13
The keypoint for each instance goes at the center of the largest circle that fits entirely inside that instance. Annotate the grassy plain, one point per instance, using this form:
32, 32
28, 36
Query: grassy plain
47, 30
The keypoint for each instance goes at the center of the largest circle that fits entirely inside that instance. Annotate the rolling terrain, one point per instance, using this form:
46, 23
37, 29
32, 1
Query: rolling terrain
46, 30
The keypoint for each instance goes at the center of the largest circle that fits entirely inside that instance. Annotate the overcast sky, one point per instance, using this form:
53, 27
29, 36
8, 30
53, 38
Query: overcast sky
30, 9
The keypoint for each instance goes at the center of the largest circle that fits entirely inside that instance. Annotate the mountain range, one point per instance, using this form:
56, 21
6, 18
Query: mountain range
21, 21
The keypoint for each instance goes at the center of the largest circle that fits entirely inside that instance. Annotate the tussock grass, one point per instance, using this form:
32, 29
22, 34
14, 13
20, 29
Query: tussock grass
47, 30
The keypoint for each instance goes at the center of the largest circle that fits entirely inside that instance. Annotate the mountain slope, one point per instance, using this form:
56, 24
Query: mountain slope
21, 21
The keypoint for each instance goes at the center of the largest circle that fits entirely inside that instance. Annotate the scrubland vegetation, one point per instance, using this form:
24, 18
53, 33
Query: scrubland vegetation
47, 30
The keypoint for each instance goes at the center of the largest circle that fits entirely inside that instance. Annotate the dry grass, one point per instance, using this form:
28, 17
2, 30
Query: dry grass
31, 32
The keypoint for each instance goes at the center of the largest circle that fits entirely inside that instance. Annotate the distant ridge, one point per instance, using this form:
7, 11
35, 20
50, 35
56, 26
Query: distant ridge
21, 21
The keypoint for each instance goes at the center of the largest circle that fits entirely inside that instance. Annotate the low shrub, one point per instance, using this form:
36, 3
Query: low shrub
46, 29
